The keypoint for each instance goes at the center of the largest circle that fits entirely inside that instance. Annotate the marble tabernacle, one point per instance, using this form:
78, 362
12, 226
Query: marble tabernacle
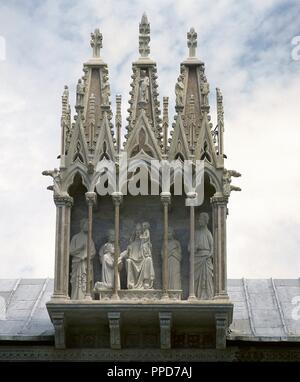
136, 268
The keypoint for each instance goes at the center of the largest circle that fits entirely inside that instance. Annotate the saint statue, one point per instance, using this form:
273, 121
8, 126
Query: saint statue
78, 252
106, 257
204, 287
179, 91
140, 271
79, 93
205, 92
105, 91
174, 259
144, 85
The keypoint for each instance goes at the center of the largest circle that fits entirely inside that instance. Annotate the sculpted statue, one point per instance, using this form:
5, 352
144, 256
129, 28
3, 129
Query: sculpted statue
79, 93
179, 91
106, 257
144, 85
204, 288
105, 90
205, 92
140, 271
174, 258
78, 252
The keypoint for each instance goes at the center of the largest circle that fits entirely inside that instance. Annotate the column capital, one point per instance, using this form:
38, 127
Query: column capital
63, 200
219, 200
91, 197
117, 198
165, 197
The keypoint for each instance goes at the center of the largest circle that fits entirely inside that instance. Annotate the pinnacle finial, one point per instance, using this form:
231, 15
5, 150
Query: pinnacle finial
192, 42
144, 19
144, 36
96, 42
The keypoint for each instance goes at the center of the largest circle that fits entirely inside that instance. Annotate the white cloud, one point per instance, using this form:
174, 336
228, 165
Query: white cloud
246, 48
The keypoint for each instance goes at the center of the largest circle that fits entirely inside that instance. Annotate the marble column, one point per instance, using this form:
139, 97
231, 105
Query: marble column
219, 213
91, 198
165, 199
191, 199
117, 199
62, 241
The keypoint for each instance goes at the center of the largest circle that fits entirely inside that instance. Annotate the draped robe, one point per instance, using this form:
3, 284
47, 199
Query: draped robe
204, 288
139, 267
78, 252
107, 260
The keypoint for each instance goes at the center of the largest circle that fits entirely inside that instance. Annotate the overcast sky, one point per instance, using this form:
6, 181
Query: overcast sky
247, 50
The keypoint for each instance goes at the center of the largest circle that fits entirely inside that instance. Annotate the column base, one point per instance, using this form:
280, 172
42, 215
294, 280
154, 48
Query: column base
165, 296
60, 297
221, 296
115, 297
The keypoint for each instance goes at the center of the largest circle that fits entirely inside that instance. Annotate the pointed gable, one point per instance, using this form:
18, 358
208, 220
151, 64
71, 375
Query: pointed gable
78, 150
205, 148
179, 148
142, 139
104, 144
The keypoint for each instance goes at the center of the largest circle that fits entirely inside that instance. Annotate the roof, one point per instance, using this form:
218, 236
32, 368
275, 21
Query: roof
263, 309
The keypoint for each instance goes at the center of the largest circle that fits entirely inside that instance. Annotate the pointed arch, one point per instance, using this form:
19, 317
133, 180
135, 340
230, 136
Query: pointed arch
76, 168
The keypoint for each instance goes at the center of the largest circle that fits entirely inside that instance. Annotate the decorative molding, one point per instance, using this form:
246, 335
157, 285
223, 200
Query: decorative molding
230, 354
136, 294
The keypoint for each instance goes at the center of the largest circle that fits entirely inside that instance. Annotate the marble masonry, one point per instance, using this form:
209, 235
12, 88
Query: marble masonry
141, 270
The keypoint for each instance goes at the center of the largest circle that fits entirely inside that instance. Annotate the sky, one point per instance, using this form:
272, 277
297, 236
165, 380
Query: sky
248, 53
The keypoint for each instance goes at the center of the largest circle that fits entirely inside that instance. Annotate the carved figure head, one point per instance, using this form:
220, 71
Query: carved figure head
111, 236
203, 219
138, 230
146, 225
84, 225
